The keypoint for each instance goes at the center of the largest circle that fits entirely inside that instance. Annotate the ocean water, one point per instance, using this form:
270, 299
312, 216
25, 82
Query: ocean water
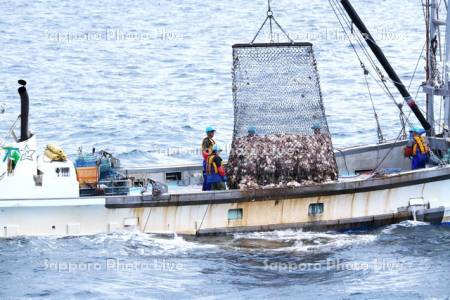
142, 79
405, 261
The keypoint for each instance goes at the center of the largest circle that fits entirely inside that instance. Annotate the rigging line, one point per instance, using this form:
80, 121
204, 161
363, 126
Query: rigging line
197, 231
345, 31
439, 32
383, 79
379, 132
260, 28
393, 145
398, 137
359, 39
271, 18
371, 61
385, 88
271, 31
388, 93
270, 15
440, 115
282, 30
380, 75
417, 65
367, 54
148, 217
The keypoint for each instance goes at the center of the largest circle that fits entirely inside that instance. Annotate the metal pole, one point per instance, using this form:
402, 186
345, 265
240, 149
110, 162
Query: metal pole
432, 36
447, 77
385, 63
24, 111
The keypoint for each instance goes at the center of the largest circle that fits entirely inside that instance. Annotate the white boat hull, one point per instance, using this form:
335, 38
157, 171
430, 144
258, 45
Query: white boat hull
209, 213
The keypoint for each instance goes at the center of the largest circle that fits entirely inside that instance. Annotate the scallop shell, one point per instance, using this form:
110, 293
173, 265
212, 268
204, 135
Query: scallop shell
281, 160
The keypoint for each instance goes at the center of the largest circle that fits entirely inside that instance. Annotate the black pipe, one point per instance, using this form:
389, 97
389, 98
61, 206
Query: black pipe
24, 111
385, 63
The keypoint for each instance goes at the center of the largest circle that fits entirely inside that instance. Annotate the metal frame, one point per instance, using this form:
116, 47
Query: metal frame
257, 45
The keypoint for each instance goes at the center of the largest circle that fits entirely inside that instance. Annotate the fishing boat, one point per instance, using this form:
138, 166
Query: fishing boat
45, 194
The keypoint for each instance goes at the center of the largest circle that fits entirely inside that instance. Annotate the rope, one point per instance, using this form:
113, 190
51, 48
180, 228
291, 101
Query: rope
197, 231
379, 132
148, 217
260, 28
417, 65
348, 22
383, 86
269, 12
403, 123
345, 160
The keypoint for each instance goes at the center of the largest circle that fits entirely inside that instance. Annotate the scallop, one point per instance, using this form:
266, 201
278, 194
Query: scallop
281, 160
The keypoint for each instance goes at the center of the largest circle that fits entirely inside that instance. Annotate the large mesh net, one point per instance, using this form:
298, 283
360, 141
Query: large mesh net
276, 89
281, 135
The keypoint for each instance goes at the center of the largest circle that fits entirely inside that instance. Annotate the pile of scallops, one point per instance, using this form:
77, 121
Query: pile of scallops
281, 160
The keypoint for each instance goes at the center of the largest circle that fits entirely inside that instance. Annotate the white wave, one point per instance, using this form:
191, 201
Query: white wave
308, 241
174, 244
405, 224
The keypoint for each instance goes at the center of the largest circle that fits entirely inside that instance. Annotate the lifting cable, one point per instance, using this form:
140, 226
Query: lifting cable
270, 17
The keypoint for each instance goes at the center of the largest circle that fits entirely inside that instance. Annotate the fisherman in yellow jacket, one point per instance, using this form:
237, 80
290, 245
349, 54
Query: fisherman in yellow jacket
207, 145
417, 149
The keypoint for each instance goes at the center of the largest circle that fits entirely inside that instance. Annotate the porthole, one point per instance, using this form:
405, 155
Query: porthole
235, 214
316, 209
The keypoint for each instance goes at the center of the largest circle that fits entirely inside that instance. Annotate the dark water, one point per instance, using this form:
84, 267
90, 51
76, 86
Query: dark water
405, 261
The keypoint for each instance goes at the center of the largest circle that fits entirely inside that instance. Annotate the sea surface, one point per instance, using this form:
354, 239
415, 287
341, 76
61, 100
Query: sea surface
404, 261
142, 79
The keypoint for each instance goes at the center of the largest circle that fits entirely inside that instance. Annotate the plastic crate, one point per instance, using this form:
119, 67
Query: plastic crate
85, 161
87, 175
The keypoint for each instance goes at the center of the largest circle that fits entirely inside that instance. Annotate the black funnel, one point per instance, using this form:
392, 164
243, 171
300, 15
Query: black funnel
24, 111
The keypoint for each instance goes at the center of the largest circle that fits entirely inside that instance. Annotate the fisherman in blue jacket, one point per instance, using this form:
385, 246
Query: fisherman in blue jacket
215, 172
417, 149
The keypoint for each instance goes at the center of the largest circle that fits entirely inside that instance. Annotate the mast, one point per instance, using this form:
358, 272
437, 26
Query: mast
447, 78
431, 37
385, 63
435, 85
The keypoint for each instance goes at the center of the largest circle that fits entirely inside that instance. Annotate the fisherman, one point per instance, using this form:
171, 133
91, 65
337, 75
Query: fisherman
215, 173
317, 128
417, 149
207, 145
251, 131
